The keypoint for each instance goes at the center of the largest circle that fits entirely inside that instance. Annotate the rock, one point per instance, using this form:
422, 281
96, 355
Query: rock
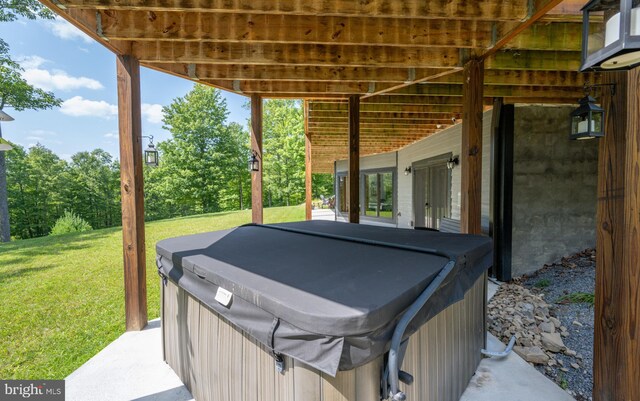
579, 356
552, 342
564, 334
535, 355
555, 321
564, 369
562, 328
577, 323
575, 366
570, 352
547, 327
560, 362
520, 351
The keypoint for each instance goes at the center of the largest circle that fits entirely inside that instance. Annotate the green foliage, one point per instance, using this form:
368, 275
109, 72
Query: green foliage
10, 10
322, 184
576, 298
283, 152
70, 223
41, 186
542, 283
203, 167
62, 295
18, 94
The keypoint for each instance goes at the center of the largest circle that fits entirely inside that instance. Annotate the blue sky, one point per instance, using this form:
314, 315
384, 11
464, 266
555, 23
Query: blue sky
58, 57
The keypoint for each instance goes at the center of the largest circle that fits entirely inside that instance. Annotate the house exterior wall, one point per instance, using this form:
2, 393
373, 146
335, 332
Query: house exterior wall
446, 141
554, 188
554, 184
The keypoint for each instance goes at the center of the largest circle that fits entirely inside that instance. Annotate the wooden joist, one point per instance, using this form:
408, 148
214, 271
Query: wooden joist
294, 54
490, 10
287, 28
293, 72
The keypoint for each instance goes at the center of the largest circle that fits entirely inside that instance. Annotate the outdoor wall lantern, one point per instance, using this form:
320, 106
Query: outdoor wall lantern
254, 162
407, 170
610, 35
150, 153
587, 121
452, 162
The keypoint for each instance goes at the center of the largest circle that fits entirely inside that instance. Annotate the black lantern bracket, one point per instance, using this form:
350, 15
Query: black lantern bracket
589, 87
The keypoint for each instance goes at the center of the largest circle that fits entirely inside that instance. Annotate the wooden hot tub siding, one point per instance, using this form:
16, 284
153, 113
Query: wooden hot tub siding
218, 362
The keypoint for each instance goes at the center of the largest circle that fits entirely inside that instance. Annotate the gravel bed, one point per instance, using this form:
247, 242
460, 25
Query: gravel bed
570, 275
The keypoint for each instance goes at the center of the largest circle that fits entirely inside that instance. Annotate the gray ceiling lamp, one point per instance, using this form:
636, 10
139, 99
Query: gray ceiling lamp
610, 35
5, 117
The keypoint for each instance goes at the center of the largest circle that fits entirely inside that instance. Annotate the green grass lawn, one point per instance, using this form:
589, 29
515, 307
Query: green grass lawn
63, 296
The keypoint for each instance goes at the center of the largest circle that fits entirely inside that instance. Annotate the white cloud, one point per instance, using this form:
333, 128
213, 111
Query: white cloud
65, 30
111, 135
78, 106
29, 62
152, 112
58, 80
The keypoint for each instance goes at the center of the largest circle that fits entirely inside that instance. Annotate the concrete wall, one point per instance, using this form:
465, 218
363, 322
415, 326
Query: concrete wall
554, 188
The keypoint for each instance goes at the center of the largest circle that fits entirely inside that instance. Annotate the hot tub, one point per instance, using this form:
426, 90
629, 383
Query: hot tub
319, 311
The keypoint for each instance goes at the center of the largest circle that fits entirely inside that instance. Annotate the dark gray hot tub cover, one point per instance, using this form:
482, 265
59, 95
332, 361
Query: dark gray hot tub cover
331, 303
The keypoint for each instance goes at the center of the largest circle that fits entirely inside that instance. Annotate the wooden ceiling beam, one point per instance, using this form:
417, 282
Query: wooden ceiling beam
321, 115
283, 87
559, 36
494, 91
435, 9
399, 108
376, 126
538, 10
534, 60
524, 77
292, 72
295, 54
287, 28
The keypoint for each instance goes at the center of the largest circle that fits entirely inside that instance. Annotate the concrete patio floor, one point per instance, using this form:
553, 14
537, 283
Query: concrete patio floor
131, 369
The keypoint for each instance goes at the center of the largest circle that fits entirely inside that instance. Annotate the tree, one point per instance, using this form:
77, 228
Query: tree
200, 162
283, 132
322, 184
15, 92
92, 188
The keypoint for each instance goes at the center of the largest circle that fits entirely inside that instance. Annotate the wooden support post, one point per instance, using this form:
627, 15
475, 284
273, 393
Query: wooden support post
471, 154
131, 178
616, 364
307, 165
256, 146
354, 159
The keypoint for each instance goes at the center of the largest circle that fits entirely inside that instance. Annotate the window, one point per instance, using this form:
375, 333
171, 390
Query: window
376, 193
342, 193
